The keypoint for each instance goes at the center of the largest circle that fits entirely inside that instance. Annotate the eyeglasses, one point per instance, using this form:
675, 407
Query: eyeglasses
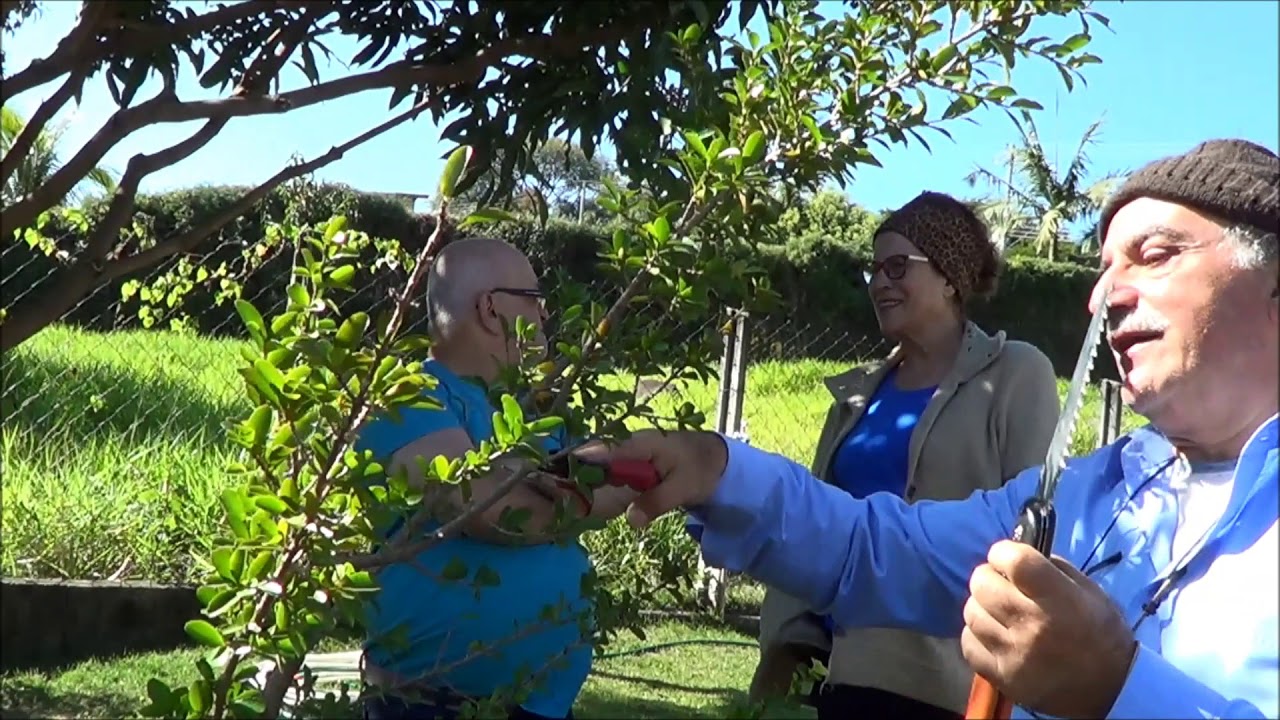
895, 266
525, 292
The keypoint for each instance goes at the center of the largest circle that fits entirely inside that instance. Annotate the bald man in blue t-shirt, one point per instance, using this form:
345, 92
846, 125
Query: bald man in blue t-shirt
475, 290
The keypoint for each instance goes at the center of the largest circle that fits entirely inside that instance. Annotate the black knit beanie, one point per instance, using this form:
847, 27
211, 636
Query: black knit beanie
1236, 181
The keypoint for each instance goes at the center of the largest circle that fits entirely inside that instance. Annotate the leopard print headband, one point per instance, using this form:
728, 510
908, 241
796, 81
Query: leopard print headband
947, 233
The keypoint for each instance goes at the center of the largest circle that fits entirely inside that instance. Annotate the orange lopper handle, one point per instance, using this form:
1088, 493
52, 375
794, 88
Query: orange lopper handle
986, 702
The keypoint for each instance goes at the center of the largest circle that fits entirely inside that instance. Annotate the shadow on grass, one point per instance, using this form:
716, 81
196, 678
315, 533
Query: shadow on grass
94, 400
665, 685
604, 705
21, 699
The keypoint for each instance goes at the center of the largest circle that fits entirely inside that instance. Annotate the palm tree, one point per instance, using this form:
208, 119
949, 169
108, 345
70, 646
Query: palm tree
41, 162
1034, 188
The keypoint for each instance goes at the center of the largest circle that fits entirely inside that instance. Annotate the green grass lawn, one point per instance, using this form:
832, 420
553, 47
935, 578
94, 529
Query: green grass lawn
686, 681
113, 448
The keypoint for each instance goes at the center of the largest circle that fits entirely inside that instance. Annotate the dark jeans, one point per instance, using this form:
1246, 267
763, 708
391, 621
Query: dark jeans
433, 705
847, 702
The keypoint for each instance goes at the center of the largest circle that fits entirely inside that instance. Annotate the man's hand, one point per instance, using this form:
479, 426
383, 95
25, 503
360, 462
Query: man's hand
689, 464
1044, 634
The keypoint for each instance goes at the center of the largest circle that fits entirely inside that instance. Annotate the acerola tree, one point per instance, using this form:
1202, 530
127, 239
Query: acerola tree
514, 70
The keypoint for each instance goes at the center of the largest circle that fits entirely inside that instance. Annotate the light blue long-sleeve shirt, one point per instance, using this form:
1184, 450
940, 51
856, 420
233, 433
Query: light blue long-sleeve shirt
1210, 651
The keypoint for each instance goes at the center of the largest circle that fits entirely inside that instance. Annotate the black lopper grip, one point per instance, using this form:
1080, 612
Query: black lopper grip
1036, 525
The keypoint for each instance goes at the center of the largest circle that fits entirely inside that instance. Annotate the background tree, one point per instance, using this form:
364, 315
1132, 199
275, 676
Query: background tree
42, 161
533, 64
556, 180
1037, 192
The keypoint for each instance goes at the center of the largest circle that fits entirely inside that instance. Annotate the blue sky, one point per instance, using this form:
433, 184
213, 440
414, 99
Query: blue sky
1173, 74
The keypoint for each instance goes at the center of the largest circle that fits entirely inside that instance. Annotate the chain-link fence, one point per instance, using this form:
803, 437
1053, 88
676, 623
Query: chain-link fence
115, 445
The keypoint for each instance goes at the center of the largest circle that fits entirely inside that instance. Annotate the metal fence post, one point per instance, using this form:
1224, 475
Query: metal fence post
729, 421
1109, 418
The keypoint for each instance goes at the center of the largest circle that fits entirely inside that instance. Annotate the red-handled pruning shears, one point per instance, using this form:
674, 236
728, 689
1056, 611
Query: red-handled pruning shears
1036, 523
639, 475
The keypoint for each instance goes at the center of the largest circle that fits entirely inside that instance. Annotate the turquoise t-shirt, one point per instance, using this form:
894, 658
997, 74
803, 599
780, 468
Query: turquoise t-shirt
442, 621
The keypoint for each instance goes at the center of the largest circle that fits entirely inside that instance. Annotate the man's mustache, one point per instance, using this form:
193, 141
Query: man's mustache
1135, 321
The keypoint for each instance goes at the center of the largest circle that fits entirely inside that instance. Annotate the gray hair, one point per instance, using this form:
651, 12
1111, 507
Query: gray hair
1254, 248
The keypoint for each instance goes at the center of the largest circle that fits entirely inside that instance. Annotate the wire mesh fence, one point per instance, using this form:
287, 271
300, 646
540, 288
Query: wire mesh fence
785, 397
114, 428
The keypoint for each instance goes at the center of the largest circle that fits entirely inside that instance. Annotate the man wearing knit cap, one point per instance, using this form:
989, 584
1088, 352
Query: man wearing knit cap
1160, 600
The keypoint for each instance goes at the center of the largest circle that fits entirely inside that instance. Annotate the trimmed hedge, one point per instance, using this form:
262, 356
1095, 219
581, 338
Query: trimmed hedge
817, 272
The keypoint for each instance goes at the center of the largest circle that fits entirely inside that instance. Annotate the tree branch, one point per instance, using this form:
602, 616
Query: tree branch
280, 45
133, 38
140, 166
36, 123
268, 63
398, 74
193, 237
38, 72
164, 108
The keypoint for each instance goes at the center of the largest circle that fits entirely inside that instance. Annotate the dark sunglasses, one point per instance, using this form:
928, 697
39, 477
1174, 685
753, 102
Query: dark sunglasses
524, 292
894, 266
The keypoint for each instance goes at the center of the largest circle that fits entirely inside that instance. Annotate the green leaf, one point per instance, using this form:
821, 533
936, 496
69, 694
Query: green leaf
1000, 92
813, 129
545, 425
233, 504
960, 106
361, 579
221, 558
485, 215
337, 224
205, 593
440, 466
157, 691
298, 294
660, 228
1076, 42
259, 425
258, 566
219, 601
271, 504
252, 319
270, 373
352, 330
343, 276
453, 168
944, 56
753, 148
204, 633
282, 322
236, 564
512, 413
695, 142
501, 430
200, 696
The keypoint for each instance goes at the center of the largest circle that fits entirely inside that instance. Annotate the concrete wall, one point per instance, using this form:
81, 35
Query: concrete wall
49, 623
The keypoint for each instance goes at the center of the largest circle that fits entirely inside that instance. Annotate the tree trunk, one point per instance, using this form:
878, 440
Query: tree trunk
44, 307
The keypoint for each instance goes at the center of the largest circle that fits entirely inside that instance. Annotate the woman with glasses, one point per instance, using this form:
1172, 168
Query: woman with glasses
950, 410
